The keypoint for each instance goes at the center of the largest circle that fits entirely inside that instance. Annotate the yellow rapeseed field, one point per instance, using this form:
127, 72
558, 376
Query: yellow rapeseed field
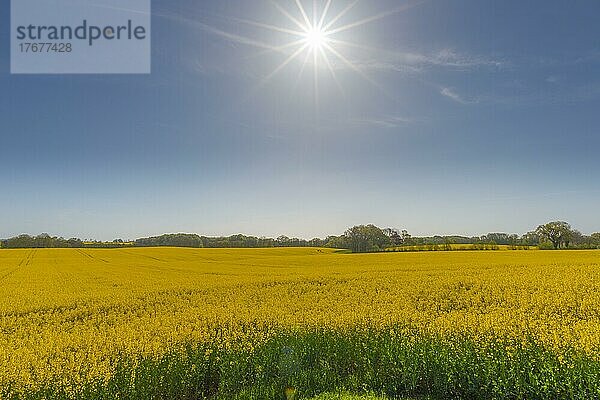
68, 314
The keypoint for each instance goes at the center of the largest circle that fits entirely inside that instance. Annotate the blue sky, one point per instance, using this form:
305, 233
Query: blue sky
464, 117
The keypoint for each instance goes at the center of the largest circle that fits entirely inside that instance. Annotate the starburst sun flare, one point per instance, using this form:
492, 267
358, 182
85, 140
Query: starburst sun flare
315, 39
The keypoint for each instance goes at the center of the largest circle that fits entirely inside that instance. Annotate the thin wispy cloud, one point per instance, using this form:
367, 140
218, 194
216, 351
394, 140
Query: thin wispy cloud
453, 95
592, 56
384, 121
404, 61
452, 58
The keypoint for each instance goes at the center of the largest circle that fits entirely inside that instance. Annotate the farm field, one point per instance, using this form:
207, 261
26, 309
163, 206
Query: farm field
244, 323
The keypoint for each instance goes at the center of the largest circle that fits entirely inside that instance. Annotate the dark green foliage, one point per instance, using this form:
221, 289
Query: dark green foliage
41, 241
365, 238
171, 240
559, 233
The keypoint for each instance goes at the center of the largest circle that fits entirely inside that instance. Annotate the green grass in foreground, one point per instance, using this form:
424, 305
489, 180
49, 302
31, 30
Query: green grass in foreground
395, 362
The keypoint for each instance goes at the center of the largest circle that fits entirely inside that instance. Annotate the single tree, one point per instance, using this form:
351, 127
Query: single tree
363, 238
559, 233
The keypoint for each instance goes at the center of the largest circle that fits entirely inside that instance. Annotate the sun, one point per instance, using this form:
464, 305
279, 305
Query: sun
316, 38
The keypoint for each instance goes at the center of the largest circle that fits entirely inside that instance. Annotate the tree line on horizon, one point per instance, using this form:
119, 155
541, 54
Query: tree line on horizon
358, 239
